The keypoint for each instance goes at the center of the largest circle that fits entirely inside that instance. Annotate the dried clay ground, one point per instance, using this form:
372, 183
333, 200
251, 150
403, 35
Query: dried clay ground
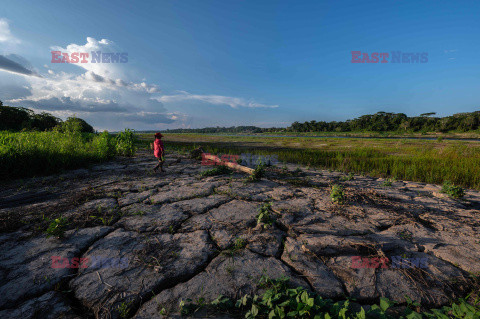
180, 231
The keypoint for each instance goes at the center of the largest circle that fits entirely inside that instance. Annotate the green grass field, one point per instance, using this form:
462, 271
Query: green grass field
429, 161
26, 154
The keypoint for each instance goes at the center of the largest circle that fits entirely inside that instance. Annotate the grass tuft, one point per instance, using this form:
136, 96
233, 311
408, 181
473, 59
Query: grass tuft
452, 190
337, 194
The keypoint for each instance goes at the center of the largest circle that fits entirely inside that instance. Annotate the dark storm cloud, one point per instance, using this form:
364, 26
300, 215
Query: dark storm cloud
67, 104
148, 118
9, 65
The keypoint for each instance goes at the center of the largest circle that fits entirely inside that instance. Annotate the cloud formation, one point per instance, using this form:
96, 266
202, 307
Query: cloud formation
111, 70
234, 102
5, 34
7, 64
102, 93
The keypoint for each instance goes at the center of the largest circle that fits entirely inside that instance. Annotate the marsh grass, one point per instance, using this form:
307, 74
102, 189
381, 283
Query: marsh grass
413, 160
27, 154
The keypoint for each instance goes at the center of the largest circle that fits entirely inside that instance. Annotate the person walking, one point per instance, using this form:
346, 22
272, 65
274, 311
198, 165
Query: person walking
159, 152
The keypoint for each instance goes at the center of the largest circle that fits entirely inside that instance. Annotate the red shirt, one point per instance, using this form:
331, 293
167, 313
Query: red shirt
158, 149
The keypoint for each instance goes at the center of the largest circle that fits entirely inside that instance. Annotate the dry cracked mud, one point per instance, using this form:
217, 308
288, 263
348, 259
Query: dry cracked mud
161, 238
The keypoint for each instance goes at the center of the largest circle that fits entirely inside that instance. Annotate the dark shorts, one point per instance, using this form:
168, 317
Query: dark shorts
161, 159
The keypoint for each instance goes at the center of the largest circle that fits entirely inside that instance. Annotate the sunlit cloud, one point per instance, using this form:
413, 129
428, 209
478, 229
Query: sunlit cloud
234, 102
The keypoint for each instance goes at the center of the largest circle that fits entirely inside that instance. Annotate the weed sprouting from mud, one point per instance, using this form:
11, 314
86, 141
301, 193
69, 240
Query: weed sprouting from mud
56, 227
257, 174
337, 194
453, 190
265, 216
279, 300
219, 170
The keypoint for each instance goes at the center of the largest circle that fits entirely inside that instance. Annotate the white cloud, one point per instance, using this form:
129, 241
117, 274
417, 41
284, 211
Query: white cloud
5, 34
111, 70
233, 102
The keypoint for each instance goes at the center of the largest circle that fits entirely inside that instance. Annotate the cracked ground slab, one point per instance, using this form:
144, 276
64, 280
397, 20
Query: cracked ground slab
179, 235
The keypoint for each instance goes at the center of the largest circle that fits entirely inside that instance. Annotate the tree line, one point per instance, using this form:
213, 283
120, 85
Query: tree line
16, 119
394, 122
378, 122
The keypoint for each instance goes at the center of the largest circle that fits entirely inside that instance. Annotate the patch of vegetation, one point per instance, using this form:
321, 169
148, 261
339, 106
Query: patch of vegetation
265, 215
257, 174
452, 190
217, 170
56, 227
238, 245
411, 160
16, 119
281, 301
388, 182
348, 177
123, 309
337, 194
125, 143
36, 153
74, 124
104, 220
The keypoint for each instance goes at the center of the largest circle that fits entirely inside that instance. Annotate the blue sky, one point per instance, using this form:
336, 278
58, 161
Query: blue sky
265, 63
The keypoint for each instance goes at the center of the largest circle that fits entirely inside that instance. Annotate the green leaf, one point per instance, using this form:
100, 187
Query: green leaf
361, 314
310, 302
384, 304
254, 310
304, 297
414, 315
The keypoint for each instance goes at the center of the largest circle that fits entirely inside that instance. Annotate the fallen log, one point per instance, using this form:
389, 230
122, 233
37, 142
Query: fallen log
234, 166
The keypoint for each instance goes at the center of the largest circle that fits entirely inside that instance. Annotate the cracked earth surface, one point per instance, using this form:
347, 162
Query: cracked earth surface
177, 230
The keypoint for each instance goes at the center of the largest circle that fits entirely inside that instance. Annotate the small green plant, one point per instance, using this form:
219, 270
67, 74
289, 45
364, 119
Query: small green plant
257, 174
56, 228
124, 309
388, 182
348, 177
104, 220
219, 170
452, 190
337, 194
280, 301
265, 215
238, 245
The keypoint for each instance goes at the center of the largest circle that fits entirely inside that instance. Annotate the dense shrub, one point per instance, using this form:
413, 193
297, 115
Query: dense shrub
19, 118
74, 124
125, 143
